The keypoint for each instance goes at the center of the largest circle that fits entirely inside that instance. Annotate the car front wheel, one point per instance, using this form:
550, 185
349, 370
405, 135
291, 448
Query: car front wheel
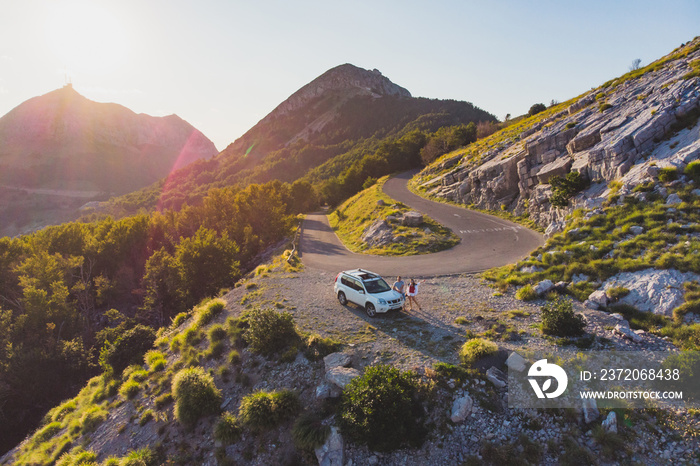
342, 299
370, 310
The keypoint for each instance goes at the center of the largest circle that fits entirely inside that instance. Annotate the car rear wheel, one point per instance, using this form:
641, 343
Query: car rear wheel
342, 299
370, 310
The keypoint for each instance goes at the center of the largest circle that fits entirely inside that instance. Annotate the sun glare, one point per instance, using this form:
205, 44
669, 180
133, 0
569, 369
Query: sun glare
86, 37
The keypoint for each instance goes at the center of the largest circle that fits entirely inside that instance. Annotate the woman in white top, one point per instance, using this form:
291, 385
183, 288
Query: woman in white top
412, 292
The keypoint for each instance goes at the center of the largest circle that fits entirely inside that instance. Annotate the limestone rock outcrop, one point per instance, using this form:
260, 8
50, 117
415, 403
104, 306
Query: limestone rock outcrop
613, 132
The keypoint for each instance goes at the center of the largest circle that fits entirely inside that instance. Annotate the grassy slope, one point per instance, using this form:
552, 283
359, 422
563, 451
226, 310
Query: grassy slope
352, 218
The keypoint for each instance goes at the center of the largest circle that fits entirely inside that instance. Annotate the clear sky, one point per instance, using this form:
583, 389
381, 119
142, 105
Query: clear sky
223, 65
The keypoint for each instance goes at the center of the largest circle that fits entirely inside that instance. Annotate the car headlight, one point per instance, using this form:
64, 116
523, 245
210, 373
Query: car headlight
382, 301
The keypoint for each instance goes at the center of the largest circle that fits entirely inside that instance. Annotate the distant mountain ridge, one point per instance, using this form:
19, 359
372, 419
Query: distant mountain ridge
332, 115
62, 140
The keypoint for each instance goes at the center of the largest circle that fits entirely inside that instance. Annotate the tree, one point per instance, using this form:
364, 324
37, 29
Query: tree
536, 108
162, 281
208, 264
636, 63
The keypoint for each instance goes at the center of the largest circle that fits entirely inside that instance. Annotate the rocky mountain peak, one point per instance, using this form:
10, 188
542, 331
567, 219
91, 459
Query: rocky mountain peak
348, 80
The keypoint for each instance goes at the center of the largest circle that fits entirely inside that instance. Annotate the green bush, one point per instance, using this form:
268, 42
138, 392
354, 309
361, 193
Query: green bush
234, 358
128, 349
559, 319
475, 349
195, 395
318, 347
179, 319
616, 293
129, 389
309, 431
668, 174
526, 293
77, 456
141, 457
92, 418
206, 313
47, 432
688, 365
146, 417
269, 331
564, 188
383, 408
692, 171
536, 108
262, 410
216, 333
227, 430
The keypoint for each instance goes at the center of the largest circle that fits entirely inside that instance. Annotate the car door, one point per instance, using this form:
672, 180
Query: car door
356, 291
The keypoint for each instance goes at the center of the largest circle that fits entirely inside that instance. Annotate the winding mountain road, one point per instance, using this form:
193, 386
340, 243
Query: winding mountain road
487, 241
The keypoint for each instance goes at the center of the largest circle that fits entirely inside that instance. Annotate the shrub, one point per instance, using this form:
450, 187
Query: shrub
526, 293
559, 319
129, 389
616, 293
604, 106
77, 456
92, 418
475, 349
128, 349
262, 410
146, 417
140, 457
179, 319
216, 349
318, 347
206, 313
60, 411
47, 432
269, 331
536, 108
564, 188
217, 333
692, 171
688, 365
668, 174
234, 358
309, 431
195, 395
227, 430
383, 408
163, 400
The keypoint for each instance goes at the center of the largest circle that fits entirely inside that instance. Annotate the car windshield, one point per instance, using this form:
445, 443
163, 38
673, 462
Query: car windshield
377, 286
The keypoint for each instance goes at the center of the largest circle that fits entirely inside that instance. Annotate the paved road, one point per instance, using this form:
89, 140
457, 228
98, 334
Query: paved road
487, 241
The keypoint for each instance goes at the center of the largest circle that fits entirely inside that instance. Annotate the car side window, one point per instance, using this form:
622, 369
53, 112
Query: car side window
346, 282
357, 285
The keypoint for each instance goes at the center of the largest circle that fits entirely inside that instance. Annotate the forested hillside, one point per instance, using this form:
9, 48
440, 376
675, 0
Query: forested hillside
338, 118
68, 291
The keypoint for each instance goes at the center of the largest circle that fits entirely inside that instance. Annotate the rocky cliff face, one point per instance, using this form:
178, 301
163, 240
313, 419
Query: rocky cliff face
625, 130
62, 140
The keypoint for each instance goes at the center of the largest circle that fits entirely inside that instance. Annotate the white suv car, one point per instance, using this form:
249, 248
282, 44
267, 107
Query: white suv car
368, 290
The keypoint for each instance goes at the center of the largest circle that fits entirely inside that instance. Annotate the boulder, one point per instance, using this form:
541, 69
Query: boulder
673, 199
461, 408
543, 287
341, 376
623, 329
515, 362
326, 390
636, 230
378, 233
332, 452
558, 167
496, 377
610, 422
652, 290
590, 410
412, 219
337, 360
580, 277
380, 202
597, 300
531, 269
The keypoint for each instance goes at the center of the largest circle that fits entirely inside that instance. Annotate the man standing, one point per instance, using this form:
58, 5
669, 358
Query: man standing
400, 286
